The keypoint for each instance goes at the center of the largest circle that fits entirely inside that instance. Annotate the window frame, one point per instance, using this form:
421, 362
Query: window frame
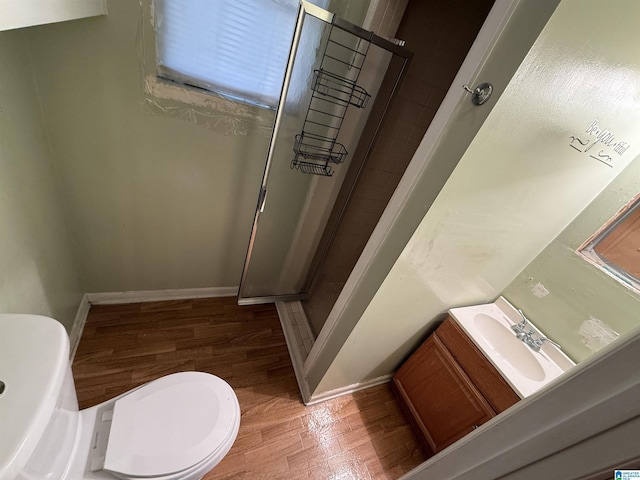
588, 252
197, 105
243, 82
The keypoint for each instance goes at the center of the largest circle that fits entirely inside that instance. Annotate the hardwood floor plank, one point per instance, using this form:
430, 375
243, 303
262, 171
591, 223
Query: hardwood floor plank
355, 438
103, 380
164, 346
111, 309
146, 374
182, 354
360, 436
159, 334
221, 357
311, 458
92, 357
347, 465
273, 455
231, 466
219, 343
170, 322
165, 305
102, 342
126, 327
215, 328
248, 439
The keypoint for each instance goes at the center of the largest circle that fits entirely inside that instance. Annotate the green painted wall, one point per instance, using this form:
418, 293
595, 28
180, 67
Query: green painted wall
151, 200
37, 271
154, 201
579, 292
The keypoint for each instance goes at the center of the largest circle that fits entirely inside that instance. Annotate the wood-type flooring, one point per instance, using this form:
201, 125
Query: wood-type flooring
359, 436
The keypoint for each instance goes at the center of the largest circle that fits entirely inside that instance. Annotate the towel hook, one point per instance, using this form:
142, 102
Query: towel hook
481, 94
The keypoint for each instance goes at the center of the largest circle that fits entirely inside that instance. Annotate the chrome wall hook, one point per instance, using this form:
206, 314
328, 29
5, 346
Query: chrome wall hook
481, 94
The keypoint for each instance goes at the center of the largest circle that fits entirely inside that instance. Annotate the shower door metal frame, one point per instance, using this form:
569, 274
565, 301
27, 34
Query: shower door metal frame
307, 8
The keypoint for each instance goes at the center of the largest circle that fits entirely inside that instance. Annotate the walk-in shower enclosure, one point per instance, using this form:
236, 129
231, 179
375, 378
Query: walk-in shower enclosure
337, 87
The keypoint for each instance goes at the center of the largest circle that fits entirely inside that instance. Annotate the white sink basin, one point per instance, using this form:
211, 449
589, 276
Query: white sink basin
526, 370
508, 348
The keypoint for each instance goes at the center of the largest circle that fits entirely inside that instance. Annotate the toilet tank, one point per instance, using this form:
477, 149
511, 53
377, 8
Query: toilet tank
38, 404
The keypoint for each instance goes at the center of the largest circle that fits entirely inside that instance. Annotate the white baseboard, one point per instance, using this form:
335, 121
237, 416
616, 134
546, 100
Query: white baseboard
297, 357
338, 392
78, 326
112, 298
305, 329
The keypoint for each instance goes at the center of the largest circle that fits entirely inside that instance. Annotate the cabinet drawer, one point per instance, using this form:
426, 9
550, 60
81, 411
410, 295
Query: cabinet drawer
481, 372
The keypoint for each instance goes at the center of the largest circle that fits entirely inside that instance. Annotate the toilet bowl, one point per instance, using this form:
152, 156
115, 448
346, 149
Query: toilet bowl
176, 427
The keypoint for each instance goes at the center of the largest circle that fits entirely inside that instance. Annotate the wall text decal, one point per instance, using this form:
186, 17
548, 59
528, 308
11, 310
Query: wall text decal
602, 137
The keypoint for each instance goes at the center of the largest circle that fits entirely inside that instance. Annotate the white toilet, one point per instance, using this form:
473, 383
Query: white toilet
176, 427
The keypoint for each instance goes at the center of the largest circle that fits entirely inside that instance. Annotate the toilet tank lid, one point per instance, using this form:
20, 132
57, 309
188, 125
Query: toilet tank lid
171, 424
34, 358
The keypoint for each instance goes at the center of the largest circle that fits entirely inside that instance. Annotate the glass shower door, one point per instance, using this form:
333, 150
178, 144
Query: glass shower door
334, 70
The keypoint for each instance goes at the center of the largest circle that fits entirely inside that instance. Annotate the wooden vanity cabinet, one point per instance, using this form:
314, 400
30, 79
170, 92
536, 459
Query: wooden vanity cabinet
448, 388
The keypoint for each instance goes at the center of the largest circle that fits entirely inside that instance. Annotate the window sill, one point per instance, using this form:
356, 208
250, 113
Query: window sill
207, 109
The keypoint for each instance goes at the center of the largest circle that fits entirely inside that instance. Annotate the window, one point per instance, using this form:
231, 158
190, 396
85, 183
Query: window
236, 48
616, 246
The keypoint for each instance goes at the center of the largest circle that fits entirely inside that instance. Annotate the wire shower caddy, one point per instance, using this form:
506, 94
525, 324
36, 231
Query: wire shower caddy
334, 89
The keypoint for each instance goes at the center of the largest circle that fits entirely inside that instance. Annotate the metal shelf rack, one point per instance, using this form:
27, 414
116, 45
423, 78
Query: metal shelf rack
334, 89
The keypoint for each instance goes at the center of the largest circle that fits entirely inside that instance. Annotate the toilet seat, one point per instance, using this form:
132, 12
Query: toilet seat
171, 425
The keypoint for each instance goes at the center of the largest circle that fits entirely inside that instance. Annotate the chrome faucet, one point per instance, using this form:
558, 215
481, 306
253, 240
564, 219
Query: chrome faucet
519, 328
535, 343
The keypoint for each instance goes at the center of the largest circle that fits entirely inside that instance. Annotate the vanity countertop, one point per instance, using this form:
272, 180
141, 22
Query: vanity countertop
489, 327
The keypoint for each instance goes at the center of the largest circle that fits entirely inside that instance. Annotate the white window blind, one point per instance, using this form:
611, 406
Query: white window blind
237, 48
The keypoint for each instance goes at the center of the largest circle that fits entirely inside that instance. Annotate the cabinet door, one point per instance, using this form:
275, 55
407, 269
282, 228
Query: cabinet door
439, 395
480, 371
